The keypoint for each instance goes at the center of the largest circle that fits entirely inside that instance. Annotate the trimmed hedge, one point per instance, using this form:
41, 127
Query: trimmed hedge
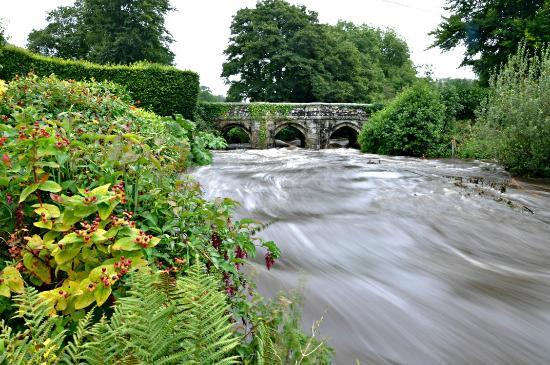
162, 89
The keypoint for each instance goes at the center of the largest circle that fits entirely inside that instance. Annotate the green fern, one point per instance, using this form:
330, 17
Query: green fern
160, 322
39, 343
206, 321
266, 353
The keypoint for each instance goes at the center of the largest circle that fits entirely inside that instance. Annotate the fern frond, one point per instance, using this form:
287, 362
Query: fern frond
73, 352
267, 355
209, 332
39, 343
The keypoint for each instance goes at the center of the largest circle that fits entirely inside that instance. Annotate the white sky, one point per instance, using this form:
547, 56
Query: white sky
201, 29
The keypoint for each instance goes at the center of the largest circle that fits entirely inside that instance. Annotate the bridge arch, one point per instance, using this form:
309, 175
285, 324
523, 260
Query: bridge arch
345, 130
301, 129
229, 127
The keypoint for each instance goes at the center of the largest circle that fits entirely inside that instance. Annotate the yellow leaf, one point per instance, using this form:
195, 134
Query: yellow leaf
50, 210
35, 242
13, 278
47, 225
100, 190
101, 293
37, 267
154, 241
5, 290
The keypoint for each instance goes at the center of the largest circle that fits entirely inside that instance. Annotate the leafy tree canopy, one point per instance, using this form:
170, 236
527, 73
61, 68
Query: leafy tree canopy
492, 29
280, 52
2, 38
206, 95
107, 31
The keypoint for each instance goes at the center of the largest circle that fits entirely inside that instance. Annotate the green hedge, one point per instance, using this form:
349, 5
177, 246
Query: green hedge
163, 89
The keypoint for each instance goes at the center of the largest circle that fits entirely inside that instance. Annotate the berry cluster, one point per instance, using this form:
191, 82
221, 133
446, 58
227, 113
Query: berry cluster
3, 140
124, 221
90, 199
122, 266
216, 241
14, 244
43, 218
61, 141
240, 254
63, 293
143, 239
120, 194
229, 287
269, 260
36, 132
88, 229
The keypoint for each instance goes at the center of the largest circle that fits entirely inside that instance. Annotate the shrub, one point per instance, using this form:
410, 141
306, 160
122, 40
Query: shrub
461, 97
79, 164
514, 124
162, 89
161, 320
91, 190
412, 124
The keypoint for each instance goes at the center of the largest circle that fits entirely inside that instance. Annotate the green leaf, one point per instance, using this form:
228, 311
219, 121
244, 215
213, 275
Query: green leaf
37, 267
100, 190
47, 164
46, 225
84, 300
50, 186
105, 209
126, 244
66, 254
70, 238
51, 211
101, 293
12, 277
84, 210
27, 191
5, 290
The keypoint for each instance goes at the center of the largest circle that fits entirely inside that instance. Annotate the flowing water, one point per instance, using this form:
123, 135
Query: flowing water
410, 261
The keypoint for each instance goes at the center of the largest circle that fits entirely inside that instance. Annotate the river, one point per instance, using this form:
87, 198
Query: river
410, 261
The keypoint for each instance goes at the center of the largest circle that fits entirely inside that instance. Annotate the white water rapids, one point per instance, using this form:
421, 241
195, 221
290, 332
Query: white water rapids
409, 261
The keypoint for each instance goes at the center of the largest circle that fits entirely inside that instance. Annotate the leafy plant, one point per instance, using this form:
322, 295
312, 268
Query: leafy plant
412, 124
160, 321
278, 339
513, 125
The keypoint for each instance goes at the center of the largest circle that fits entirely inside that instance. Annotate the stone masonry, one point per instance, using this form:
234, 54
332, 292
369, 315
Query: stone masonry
316, 121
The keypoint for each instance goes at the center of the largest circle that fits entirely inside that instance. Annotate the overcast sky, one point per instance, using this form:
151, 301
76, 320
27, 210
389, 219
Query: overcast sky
201, 29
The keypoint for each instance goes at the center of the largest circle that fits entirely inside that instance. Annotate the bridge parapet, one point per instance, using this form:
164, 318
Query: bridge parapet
262, 121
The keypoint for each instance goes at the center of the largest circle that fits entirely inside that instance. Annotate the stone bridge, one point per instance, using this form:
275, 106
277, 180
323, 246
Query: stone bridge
317, 123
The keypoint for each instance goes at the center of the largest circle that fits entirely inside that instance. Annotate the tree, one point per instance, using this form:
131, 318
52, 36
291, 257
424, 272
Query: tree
2, 35
259, 52
280, 52
64, 36
206, 94
107, 31
492, 29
